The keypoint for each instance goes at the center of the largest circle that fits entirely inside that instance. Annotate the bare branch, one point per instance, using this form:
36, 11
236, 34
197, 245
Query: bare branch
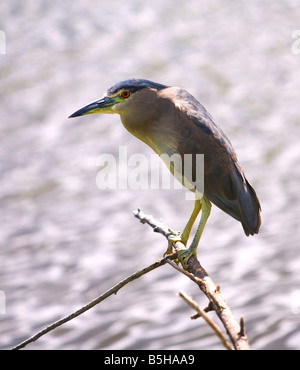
206, 317
196, 272
93, 303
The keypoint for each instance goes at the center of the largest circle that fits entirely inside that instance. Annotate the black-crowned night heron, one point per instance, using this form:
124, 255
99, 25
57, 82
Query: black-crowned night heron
171, 121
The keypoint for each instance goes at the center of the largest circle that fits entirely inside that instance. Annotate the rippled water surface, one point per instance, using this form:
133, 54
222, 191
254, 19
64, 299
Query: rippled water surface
63, 241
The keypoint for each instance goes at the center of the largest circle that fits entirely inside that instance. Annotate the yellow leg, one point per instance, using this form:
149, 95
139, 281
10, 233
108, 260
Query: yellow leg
192, 250
187, 230
184, 236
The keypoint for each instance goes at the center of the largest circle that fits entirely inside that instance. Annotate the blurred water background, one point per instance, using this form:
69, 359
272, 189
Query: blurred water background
63, 241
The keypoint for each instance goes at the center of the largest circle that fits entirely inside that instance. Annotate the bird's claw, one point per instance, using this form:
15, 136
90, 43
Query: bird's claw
173, 233
174, 237
184, 255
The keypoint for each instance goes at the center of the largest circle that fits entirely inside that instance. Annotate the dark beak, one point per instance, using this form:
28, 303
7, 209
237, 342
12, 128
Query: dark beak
103, 105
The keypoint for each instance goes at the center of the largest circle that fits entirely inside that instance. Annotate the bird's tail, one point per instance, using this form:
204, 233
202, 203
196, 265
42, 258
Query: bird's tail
249, 209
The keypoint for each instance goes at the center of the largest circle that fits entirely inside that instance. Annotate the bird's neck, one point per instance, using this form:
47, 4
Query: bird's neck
156, 135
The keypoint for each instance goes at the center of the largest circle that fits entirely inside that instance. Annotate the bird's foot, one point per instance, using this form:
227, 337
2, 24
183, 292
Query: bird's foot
185, 254
174, 237
173, 233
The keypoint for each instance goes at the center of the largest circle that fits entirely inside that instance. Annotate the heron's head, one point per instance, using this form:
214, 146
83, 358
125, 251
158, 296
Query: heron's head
129, 95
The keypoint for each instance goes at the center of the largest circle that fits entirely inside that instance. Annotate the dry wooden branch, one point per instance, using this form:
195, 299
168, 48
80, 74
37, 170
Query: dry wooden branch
207, 318
93, 303
196, 272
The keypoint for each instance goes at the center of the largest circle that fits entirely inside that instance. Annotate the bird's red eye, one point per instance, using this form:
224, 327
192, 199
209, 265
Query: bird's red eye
125, 94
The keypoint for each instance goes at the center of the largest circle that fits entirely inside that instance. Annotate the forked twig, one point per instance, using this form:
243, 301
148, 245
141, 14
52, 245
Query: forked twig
196, 272
235, 331
207, 318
